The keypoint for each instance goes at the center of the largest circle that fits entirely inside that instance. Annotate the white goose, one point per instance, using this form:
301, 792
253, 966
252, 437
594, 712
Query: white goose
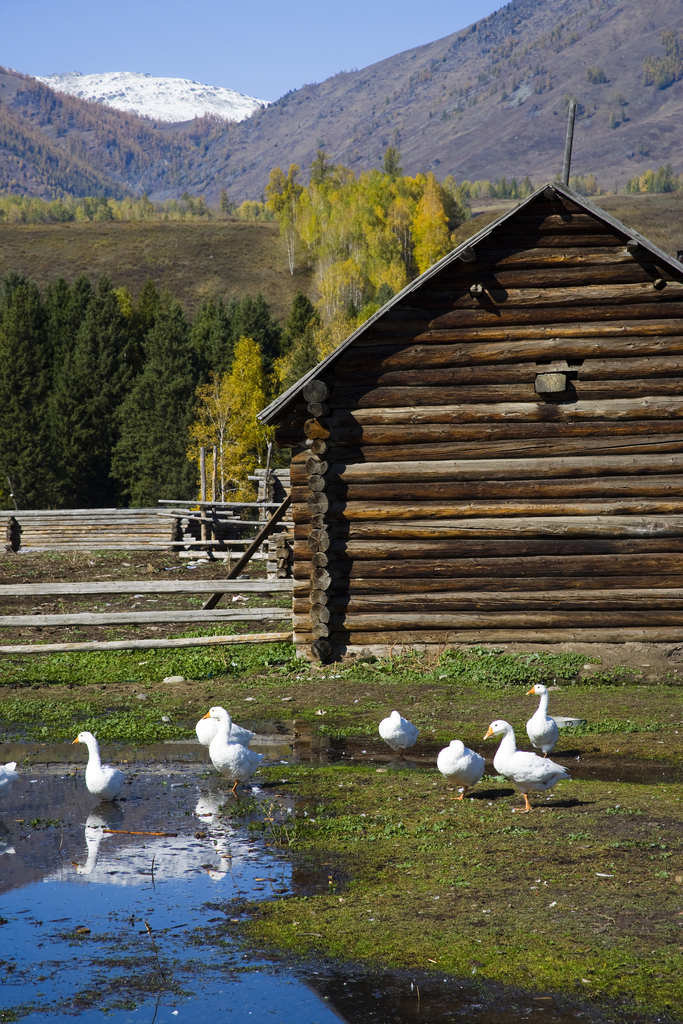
398, 732
541, 729
7, 777
100, 779
206, 729
461, 765
529, 772
231, 759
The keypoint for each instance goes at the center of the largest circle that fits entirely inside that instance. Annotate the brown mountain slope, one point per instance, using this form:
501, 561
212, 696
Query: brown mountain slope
482, 103
51, 144
442, 104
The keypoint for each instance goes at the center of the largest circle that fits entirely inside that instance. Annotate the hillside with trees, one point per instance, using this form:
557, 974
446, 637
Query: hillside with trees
106, 396
52, 144
481, 103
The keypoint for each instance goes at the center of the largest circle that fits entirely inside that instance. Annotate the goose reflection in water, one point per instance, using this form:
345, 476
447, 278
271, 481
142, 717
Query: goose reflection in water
226, 842
105, 815
6, 847
121, 859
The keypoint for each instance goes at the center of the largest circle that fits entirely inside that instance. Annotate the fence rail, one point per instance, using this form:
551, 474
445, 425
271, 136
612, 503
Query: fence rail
147, 587
132, 618
147, 645
140, 529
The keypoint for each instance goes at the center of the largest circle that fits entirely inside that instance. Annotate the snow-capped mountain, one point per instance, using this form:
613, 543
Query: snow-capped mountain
163, 99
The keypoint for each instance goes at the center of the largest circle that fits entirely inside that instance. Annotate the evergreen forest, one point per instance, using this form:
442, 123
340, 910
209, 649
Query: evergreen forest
98, 392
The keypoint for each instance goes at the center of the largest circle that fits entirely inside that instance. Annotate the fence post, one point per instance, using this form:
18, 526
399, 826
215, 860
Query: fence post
202, 490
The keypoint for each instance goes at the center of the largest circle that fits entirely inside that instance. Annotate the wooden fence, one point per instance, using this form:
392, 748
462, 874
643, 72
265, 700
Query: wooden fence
138, 529
89, 529
133, 617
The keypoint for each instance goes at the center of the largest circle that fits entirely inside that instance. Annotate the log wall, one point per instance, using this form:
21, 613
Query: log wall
439, 493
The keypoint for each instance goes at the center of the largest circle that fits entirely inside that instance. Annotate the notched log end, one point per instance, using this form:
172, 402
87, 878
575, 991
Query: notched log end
321, 649
318, 409
316, 391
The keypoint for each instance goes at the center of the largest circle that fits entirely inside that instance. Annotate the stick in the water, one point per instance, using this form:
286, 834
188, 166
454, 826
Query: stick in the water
125, 832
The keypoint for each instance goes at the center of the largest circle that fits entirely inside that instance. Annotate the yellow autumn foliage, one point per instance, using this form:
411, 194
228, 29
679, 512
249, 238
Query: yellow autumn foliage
226, 418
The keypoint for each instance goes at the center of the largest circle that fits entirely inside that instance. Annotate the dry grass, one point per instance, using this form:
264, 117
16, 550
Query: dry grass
193, 260
658, 217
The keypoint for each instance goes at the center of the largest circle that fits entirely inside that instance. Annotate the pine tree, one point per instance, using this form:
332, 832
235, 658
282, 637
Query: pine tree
89, 383
25, 367
321, 168
251, 318
392, 163
65, 308
149, 459
147, 308
212, 337
302, 316
299, 342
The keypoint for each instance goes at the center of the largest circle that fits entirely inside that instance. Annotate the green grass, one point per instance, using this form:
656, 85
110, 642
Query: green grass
457, 694
102, 667
418, 880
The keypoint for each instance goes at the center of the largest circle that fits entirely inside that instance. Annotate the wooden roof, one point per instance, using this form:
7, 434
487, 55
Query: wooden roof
279, 408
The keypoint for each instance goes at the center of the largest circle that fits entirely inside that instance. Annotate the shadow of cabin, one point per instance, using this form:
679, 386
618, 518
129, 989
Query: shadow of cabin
497, 454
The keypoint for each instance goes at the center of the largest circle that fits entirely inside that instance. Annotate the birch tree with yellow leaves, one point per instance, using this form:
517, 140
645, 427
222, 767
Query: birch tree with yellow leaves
225, 417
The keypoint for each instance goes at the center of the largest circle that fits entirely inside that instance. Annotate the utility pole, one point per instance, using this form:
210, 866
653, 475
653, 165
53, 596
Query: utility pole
571, 117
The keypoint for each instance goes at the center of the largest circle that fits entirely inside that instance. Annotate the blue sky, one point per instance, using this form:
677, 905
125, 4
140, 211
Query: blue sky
261, 48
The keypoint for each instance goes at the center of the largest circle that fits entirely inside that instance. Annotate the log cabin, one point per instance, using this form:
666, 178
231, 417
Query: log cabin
497, 454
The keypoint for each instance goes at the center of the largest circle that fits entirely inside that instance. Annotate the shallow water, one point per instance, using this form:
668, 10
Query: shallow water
313, 747
146, 927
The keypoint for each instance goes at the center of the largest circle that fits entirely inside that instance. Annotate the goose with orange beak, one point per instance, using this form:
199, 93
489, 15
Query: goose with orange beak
100, 779
541, 729
207, 728
231, 759
529, 772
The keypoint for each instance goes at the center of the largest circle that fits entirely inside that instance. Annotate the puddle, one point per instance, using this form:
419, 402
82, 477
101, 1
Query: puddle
145, 927
274, 745
76, 899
